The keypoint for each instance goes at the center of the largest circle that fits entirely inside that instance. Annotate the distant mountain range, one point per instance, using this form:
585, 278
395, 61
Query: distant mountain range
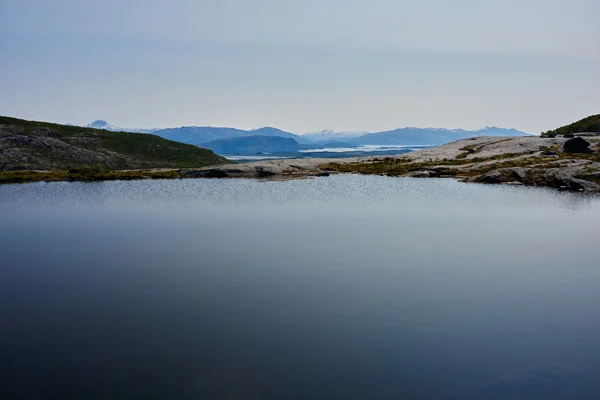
202, 135
102, 124
259, 144
327, 135
428, 136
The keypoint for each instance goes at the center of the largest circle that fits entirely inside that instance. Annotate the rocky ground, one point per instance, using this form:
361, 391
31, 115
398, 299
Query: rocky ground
532, 161
563, 163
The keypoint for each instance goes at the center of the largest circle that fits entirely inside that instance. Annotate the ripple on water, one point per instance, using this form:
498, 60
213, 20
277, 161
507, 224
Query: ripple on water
338, 287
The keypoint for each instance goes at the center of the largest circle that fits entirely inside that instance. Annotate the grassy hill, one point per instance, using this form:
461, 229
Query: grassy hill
589, 124
30, 145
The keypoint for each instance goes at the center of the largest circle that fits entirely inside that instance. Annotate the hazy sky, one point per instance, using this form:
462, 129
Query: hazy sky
302, 65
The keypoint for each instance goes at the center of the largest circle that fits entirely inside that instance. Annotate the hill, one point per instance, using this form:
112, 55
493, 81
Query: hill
199, 135
30, 145
269, 131
587, 125
252, 145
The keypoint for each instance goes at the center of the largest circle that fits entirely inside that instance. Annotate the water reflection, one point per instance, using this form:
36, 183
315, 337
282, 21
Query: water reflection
339, 287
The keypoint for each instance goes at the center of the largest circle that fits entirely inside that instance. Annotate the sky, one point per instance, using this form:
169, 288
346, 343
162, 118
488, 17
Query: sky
302, 66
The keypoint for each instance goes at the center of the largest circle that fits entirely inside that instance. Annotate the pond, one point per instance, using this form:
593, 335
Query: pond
341, 287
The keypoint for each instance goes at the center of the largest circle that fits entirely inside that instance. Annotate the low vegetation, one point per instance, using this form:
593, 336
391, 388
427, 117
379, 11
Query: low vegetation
545, 167
402, 166
85, 173
31, 145
589, 124
558, 163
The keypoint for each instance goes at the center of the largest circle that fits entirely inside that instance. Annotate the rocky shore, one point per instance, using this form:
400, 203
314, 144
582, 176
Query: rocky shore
562, 163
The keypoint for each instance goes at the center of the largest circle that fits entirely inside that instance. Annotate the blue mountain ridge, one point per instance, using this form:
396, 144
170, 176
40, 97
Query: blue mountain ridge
201, 135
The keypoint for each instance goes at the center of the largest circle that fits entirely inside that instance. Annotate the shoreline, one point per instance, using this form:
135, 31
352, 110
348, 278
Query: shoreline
528, 161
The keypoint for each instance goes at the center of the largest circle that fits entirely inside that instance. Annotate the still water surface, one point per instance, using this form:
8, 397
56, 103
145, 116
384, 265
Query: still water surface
347, 287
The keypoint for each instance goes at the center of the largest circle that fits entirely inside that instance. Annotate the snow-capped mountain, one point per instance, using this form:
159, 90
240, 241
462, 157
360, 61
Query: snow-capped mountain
328, 135
102, 124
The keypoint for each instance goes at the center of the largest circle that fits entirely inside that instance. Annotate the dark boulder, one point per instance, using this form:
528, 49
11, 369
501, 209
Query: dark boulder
576, 145
492, 177
263, 172
505, 175
323, 173
423, 174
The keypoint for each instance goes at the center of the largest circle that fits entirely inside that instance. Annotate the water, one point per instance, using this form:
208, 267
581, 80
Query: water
330, 152
255, 158
341, 287
368, 148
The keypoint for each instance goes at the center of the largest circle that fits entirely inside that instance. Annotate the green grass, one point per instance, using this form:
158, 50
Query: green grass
538, 162
540, 168
399, 167
589, 174
151, 148
84, 174
402, 166
30, 176
31, 126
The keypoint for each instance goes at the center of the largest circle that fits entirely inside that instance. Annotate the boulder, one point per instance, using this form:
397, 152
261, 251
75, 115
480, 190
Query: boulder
423, 174
492, 177
502, 176
263, 172
569, 177
298, 167
563, 178
322, 173
518, 173
576, 145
